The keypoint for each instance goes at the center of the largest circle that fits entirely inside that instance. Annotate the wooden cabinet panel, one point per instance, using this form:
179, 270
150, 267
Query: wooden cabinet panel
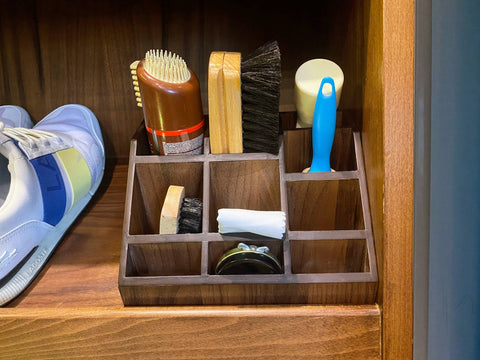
54, 52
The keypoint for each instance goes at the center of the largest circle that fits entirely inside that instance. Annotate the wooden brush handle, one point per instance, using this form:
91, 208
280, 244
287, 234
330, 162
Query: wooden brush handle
216, 106
225, 103
233, 101
170, 213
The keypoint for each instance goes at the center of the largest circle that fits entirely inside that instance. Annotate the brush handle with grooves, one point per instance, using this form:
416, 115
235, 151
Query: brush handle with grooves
323, 129
136, 89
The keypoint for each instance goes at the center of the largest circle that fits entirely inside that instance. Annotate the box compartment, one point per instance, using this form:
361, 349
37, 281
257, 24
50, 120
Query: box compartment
150, 186
324, 205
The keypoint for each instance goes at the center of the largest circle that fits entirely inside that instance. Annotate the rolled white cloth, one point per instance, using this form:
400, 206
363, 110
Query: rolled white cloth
265, 223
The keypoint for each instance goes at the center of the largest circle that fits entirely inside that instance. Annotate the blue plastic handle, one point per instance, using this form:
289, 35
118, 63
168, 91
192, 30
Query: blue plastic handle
323, 128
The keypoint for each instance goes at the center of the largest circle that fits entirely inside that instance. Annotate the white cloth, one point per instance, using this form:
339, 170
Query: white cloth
265, 223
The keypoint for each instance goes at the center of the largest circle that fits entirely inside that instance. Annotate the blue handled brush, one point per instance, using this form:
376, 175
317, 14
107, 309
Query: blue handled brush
323, 128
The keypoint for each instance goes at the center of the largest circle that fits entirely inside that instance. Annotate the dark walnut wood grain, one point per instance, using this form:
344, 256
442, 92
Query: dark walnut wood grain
327, 253
55, 52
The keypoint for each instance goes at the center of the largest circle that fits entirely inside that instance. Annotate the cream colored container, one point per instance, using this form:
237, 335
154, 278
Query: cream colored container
307, 83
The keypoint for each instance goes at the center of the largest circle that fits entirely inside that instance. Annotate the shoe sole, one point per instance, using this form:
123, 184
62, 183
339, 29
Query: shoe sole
35, 263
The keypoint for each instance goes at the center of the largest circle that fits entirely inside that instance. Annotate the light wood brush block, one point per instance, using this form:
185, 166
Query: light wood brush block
216, 106
327, 253
225, 102
233, 101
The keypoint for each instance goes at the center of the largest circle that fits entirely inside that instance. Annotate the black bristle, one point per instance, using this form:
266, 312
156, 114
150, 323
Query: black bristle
261, 76
190, 216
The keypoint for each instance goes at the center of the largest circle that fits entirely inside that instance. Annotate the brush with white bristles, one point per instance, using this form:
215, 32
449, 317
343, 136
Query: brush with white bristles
166, 67
169, 93
163, 66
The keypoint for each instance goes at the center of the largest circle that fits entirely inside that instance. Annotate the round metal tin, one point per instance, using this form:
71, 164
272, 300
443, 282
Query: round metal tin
248, 259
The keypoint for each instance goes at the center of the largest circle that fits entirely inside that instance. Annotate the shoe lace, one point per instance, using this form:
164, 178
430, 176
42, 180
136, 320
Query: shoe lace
30, 137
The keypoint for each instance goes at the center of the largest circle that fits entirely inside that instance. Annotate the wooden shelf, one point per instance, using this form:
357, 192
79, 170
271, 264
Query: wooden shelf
74, 309
84, 269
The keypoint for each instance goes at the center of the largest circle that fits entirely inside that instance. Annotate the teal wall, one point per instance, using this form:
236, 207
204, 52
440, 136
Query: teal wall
454, 264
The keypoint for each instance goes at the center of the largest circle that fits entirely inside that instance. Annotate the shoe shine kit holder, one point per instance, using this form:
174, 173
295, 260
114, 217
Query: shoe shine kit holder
248, 211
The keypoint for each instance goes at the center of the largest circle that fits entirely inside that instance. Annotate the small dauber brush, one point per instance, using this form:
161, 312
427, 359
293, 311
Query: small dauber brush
261, 76
180, 215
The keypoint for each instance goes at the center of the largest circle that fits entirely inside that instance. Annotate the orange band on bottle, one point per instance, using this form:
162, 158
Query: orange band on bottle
175, 132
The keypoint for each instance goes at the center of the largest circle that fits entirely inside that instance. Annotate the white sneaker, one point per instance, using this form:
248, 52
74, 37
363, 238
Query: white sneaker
15, 116
55, 168
10, 116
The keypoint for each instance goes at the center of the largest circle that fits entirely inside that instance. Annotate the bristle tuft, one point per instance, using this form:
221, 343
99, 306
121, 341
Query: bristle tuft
261, 77
190, 216
166, 67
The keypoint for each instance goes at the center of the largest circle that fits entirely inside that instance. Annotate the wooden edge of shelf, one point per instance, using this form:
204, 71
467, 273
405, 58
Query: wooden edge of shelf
268, 332
194, 311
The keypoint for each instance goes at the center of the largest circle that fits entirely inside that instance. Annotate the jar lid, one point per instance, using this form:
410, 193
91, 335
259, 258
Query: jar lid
248, 259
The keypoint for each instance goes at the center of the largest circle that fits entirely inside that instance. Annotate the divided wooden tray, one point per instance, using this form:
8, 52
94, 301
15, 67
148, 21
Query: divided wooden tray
327, 253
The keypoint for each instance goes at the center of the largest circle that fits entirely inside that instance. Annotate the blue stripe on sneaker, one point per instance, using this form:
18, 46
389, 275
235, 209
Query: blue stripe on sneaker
53, 188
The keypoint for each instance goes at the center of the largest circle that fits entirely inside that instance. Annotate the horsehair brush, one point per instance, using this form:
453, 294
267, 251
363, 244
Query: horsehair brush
260, 78
179, 214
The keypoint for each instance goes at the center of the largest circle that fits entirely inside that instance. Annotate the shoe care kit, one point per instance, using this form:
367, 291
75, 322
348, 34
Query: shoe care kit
244, 211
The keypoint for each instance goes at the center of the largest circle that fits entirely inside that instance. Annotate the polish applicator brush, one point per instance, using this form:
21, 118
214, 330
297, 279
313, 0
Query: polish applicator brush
180, 215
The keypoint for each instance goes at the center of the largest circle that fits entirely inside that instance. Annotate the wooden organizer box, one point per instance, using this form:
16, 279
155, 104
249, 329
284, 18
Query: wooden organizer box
327, 253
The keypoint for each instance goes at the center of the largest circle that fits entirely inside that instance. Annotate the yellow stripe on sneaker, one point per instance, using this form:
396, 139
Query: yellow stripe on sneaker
78, 174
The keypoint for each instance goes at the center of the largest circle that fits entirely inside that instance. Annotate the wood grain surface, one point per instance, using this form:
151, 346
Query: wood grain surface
253, 185
298, 149
323, 208
372, 131
328, 256
324, 205
232, 98
55, 52
74, 310
83, 271
216, 105
318, 332
388, 146
398, 67
151, 185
